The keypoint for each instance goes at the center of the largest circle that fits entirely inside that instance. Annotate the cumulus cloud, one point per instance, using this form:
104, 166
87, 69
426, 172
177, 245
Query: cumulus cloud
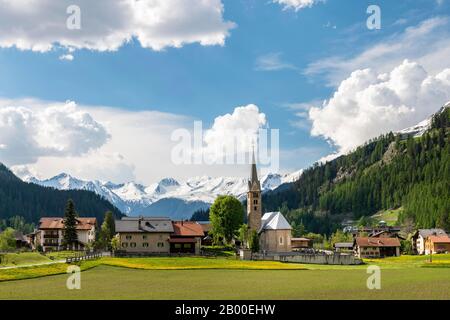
62, 130
368, 104
428, 43
235, 133
297, 4
41, 25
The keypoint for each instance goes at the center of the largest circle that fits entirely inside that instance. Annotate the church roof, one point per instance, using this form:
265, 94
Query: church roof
253, 183
274, 221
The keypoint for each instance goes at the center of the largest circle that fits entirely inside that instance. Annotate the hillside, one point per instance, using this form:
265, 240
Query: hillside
18, 198
409, 169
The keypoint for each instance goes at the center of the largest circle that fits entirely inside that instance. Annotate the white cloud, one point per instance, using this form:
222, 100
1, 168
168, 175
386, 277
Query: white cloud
63, 130
68, 57
427, 43
272, 62
297, 4
368, 104
106, 25
234, 133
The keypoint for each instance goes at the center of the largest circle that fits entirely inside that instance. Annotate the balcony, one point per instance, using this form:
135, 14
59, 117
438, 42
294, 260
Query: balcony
51, 236
50, 244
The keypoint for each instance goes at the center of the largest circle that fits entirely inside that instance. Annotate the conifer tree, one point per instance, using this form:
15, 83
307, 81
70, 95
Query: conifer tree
70, 237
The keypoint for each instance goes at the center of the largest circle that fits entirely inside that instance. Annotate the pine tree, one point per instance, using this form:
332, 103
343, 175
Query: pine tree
70, 237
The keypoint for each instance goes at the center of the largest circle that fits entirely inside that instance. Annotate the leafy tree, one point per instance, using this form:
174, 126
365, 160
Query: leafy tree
243, 234
226, 215
70, 237
254, 241
107, 230
115, 243
7, 240
340, 236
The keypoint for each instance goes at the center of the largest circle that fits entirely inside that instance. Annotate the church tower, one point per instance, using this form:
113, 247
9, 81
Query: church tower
254, 209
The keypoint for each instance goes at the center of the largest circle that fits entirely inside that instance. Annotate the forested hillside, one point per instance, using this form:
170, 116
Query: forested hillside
32, 202
389, 172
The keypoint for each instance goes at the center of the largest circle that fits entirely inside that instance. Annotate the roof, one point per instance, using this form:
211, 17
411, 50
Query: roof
182, 240
206, 226
18, 235
301, 239
58, 223
343, 245
147, 224
439, 239
187, 229
377, 242
431, 232
274, 221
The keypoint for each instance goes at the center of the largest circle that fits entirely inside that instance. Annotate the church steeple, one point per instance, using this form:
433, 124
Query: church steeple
254, 210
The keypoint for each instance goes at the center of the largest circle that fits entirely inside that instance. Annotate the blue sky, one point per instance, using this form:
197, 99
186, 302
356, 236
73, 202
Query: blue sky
266, 60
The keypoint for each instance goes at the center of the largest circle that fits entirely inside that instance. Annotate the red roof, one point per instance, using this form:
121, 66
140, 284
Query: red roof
187, 229
439, 239
58, 223
182, 240
377, 242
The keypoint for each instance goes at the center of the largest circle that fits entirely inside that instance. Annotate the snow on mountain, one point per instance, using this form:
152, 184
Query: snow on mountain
168, 197
419, 129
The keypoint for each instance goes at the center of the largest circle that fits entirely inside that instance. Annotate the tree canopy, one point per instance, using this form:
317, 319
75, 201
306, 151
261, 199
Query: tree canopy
226, 215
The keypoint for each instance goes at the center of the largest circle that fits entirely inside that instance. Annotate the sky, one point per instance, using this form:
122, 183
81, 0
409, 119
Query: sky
101, 93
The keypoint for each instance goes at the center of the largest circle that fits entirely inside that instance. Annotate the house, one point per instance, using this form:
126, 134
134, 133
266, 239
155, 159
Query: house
343, 247
21, 240
149, 235
301, 243
275, 233
369, 247
50, 233
437, 244
186, 237
419, 237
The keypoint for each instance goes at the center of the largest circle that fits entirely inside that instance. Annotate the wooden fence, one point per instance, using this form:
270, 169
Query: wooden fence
89, 256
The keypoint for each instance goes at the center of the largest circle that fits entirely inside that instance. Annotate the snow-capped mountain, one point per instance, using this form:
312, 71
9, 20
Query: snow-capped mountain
420, 128
168, 197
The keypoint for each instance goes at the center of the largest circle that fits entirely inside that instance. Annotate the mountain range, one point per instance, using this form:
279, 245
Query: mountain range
168, 197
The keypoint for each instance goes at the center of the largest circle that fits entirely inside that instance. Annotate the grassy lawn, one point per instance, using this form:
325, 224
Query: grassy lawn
406, 277
22, 258
389, 216
106, 282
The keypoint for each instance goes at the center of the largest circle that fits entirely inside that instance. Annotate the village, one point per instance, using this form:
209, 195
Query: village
160, 236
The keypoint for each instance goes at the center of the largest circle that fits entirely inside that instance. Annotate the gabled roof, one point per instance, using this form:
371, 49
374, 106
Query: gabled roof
377, 242
187, 229
144, 225
274, 221
439, 239
58, 223
431, 232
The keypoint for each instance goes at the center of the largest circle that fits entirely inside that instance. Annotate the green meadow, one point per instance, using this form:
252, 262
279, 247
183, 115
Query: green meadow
406, 277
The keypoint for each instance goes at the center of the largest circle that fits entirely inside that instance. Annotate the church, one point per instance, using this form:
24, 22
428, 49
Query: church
274, 230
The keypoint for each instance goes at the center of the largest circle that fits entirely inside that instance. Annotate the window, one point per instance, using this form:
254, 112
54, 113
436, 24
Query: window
160, 244
177, 245
255, 201
133, 244
145, 244
128, 237
144, 237
281, 240
255, 208
187, 246
125, 244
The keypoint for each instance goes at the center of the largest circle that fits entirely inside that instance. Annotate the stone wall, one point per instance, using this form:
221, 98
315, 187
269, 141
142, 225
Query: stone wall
333, 259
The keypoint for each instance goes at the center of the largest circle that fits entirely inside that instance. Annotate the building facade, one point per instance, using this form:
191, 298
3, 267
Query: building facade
419, 238
51, 232
144, 235
370, 247
437, 244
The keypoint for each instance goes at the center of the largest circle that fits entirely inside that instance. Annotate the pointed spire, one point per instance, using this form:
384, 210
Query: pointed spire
254, 184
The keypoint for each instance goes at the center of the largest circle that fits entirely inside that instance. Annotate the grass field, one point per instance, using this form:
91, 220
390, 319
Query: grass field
17, 259
406, 277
